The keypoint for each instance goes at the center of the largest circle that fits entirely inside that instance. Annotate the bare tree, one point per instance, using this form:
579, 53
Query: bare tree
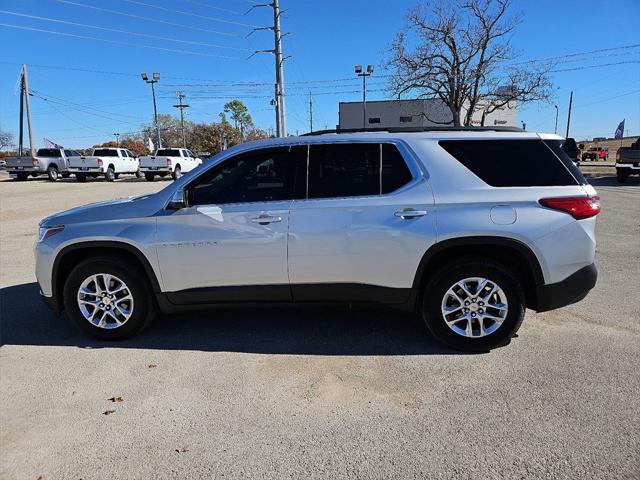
459, 52
6, 139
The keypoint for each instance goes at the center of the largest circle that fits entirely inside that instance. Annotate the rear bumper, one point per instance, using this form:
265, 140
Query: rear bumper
570, 290
630, 166
85, 170
155, 169
16, 170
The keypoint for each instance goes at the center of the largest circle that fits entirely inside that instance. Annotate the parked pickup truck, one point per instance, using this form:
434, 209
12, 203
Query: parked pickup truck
110, 162
596, 153
628, 161
174, 161
54, 162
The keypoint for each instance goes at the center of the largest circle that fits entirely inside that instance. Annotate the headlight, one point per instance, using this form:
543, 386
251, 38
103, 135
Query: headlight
46, 232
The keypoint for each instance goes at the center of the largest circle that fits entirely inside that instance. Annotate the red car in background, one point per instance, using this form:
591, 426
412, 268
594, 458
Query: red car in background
596, 153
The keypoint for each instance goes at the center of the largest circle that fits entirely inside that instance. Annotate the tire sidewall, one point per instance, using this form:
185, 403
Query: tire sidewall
136, 282
52, 173
177, 173
110, 175
438, 285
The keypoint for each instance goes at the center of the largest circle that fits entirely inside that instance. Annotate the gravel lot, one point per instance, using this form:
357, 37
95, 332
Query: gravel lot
316, 392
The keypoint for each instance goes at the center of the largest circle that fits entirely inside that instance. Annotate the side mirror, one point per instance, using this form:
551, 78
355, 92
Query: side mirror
178, 200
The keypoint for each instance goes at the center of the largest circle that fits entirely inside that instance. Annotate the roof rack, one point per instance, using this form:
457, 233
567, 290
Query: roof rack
415, 129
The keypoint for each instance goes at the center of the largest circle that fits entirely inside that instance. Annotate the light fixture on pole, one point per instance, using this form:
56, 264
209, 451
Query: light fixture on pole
364, 75
154, 79
117, 135
555, 130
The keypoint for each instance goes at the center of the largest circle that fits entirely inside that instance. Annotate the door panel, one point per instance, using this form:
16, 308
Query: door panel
360, 240
227, 245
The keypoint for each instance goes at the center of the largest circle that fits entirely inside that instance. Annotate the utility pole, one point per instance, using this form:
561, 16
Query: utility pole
182, 106
25, 100
281, 117
364, 75
154, 79
310, 112
569, 114
555, 130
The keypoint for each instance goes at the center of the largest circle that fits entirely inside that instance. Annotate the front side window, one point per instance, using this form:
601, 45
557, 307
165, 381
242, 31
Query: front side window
261, 176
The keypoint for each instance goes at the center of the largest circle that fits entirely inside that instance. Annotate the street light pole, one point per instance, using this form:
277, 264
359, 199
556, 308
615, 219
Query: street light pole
117, 135
555, 130
153, 81
364, 75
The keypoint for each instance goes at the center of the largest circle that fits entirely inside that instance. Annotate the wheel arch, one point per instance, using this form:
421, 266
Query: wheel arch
511, 252
73, 254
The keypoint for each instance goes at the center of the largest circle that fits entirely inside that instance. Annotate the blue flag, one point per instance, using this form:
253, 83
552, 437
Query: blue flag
619, 131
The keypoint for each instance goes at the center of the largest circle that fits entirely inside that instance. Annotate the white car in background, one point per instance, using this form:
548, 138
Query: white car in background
107, 161
173, 161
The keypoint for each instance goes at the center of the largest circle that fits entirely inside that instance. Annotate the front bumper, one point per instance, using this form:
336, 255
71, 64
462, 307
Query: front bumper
570, 290
52, 303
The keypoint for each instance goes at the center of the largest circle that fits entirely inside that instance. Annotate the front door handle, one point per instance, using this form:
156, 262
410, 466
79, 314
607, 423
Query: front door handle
266, 219
410, 213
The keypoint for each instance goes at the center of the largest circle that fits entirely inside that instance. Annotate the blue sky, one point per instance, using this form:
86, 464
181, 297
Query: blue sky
101, 92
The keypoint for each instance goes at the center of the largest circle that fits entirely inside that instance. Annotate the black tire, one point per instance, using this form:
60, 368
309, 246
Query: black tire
116, 176
52, 173
149, 177
81, 177
110, 174
622, 175
177, 173
444, 278
65, 175
144, 306
138, 174
21, 177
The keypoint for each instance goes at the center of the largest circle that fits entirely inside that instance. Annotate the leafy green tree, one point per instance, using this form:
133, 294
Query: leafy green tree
239, 114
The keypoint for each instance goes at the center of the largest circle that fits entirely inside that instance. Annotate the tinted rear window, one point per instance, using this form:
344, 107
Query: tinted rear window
395, 172
512, 163
168, 152
105, 152
556, 147
48, 152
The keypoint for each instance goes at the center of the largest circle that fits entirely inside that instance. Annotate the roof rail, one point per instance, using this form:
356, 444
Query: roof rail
415, 129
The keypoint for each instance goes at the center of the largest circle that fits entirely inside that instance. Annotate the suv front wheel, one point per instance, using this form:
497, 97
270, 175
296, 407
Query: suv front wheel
107, 301
473, 304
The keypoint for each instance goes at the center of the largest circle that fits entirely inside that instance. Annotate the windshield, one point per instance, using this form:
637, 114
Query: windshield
105, 152
48, 152
168, 152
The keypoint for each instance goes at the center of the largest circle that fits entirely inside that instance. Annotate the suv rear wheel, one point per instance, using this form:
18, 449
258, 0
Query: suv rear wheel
473, 304
107, 301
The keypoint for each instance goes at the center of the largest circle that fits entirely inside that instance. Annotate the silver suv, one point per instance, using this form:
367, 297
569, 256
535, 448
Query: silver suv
466, 227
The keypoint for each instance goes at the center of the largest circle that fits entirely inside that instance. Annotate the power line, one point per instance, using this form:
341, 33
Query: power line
118, 42
191, 14
587, 67
126, 32
212, 7
148, 19
578, 54
608, 99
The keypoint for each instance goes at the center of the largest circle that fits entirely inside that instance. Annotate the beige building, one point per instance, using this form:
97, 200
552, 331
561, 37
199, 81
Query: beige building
413, 113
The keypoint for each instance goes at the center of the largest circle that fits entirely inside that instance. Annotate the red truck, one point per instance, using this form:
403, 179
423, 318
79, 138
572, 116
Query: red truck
596, 153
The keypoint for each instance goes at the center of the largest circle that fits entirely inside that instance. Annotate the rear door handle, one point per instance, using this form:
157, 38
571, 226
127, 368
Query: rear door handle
266, 219
410, 213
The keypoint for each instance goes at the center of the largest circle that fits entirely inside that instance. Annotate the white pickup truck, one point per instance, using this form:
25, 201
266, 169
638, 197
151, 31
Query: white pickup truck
107, 161
53, 162
174, 161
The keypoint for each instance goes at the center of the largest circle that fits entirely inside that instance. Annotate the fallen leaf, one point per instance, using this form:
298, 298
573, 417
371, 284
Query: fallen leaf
182, 450
40, 477
108, 412
116, 399
152, 365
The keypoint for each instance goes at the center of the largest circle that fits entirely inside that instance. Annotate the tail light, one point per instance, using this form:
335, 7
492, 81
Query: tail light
578, 207
99, 162
34, 162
